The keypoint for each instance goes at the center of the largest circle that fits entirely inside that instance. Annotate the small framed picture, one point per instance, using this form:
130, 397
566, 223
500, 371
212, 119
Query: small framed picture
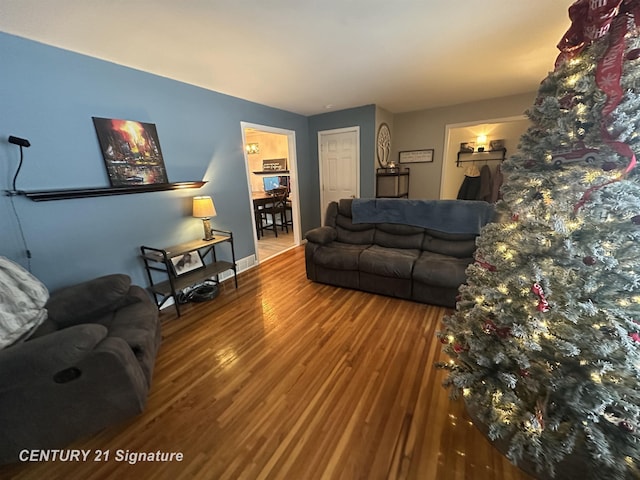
416, 156
186, 262
467, 147
496, 144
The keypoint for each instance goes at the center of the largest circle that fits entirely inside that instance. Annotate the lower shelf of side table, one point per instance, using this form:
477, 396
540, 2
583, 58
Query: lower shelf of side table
191, 278
160, 261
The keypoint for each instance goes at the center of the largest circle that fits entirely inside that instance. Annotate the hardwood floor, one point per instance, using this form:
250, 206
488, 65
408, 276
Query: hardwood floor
270, 245
288, 379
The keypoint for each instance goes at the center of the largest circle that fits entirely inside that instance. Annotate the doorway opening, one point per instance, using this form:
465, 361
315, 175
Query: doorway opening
271, 165
508, 129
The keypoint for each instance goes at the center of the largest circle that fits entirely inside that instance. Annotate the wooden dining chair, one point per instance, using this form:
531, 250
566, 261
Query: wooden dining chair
271, 212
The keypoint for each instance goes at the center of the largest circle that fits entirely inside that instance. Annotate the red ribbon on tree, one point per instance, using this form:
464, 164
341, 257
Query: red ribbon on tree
486, 265
543, 304
490, 328
592, 20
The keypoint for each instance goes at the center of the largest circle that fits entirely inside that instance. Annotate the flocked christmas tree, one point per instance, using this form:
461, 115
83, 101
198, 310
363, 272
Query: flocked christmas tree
545, 340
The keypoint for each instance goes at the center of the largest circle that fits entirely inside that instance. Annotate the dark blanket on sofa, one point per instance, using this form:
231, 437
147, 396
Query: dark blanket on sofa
449, 216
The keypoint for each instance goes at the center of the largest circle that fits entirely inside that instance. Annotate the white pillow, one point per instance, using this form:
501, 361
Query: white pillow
22, 300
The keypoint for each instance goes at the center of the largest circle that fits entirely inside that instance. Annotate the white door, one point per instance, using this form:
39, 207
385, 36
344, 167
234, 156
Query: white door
339, 152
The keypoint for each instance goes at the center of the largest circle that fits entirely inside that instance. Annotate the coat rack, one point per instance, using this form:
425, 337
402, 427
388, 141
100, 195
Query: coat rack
489, 155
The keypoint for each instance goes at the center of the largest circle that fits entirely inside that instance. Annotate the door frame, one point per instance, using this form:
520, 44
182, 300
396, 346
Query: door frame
355, 129
293, 180
450, 151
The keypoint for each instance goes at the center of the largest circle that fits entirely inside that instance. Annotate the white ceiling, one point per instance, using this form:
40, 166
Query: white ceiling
308, 56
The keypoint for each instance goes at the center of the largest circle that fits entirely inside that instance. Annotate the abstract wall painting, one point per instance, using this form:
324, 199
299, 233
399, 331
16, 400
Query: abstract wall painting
131, 152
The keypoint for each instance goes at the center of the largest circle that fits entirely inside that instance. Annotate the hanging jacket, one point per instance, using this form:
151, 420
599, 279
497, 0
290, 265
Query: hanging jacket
470, 187
484, 192
497, 183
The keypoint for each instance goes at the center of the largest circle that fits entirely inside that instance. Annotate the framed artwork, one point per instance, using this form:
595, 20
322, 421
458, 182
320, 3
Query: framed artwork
416, 156
274, 164
186, 262
496, 144
467, 147
131, 152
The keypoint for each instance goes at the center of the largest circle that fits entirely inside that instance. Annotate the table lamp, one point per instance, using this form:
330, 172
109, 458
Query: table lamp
203, 208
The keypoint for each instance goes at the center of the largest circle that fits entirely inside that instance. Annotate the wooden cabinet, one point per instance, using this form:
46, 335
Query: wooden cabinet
185, 265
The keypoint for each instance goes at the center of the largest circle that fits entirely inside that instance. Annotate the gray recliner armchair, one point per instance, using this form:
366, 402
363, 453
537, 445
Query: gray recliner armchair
89, 365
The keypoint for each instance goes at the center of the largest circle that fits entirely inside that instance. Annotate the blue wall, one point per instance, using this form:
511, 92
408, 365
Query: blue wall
49, 95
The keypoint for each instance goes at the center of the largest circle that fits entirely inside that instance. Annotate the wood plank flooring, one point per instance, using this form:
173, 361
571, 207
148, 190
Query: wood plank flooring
270, 245
288, 379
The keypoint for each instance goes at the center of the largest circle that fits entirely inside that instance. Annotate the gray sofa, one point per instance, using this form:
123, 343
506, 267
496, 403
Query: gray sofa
89, 365
400, 260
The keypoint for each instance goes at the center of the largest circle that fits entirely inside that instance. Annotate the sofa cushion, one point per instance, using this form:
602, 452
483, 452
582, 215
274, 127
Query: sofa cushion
45, 328
356, 236
399, 236
347, 224
137, 324
85, 301
339, 256
330, 216
442, 270
338, 216
390, 286
321, 235
344, 206
389, 262
450, 236
454, 248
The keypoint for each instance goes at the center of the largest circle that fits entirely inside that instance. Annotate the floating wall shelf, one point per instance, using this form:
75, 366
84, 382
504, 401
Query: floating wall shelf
487, 155
65, 194
271, 172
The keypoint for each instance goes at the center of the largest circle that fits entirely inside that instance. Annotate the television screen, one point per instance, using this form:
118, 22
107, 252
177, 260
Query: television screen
270, 183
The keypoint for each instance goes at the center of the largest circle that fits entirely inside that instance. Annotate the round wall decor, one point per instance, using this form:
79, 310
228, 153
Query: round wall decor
383, 145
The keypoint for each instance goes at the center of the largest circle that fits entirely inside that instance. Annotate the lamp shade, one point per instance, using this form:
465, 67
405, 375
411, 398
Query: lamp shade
203, 207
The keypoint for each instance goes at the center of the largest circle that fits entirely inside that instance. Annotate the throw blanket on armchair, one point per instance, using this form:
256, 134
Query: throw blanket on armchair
449, 216
22, 300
